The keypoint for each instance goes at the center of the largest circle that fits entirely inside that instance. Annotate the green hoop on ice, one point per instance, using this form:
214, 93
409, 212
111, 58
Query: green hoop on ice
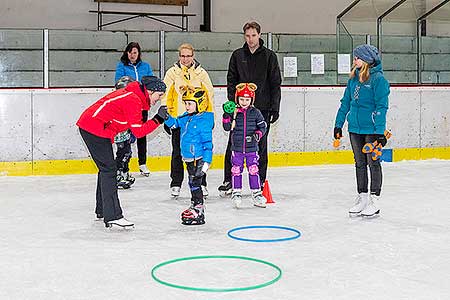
203, 289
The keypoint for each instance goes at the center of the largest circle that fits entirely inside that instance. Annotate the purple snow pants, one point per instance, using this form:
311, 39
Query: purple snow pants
252, 162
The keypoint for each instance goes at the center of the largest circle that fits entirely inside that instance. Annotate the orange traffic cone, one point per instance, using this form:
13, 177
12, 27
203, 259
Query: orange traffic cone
266, 193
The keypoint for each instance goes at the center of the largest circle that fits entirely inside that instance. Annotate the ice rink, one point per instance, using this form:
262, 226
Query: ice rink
51, 247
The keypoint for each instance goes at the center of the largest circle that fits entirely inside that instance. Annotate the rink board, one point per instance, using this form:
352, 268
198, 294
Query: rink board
38, 133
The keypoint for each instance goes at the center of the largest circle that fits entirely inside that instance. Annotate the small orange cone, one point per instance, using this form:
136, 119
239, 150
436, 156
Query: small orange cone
266, 193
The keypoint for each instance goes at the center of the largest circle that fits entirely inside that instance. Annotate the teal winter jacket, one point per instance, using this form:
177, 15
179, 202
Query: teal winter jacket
364, 105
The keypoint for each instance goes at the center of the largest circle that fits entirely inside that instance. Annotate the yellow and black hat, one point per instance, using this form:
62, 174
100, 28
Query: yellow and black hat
196, 94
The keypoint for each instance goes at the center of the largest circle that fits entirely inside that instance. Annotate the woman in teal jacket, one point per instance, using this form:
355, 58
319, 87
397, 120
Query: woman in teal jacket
364, 105
131, 65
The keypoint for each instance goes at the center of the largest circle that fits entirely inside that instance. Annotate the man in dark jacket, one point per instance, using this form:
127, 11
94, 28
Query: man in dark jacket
254, 63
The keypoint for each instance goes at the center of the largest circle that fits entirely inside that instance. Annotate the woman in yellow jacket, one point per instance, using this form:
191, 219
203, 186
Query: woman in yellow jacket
185, 72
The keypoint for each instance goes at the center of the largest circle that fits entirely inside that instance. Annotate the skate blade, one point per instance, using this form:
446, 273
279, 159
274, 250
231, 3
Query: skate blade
259, 205
119, 227
354, 215
193, 223
237, 204
145, 174
224, 194
123, 187
375, 215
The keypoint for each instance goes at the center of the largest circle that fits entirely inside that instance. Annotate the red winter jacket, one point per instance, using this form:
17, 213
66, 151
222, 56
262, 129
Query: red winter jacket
117, 112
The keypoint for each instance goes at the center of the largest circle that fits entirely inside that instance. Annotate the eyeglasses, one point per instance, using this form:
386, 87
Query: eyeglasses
186, 56
251, 86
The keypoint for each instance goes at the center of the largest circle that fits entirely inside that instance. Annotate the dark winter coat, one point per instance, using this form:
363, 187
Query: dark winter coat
260, 68
249, 122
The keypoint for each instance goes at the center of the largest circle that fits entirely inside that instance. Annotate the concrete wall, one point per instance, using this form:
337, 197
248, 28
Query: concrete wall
289, 16
69, 14
293, 16
40, 124
89, 58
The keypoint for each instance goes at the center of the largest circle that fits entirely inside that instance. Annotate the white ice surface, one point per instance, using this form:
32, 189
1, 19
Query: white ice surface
51, 247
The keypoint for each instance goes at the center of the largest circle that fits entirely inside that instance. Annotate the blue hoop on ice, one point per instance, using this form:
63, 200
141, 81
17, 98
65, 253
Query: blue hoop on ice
296, 236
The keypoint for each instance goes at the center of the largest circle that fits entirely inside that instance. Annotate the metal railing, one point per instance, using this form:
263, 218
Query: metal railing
75, 58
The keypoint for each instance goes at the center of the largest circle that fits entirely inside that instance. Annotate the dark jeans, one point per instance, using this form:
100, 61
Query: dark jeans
262, 151
176, 162
142, 143
196, 176
107, 200
361, 162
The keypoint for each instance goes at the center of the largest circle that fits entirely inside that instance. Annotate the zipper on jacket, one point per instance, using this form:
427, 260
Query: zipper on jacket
356, 95
136, 72
185, 132
245, 131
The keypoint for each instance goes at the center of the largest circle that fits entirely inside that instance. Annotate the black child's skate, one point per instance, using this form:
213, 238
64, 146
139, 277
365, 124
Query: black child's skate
194, 215
124, 180
225, 189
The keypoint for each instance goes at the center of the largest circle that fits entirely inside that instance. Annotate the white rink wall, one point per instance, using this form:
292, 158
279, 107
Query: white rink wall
40, 124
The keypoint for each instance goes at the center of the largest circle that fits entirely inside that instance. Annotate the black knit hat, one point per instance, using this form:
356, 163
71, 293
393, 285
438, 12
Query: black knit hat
153, 84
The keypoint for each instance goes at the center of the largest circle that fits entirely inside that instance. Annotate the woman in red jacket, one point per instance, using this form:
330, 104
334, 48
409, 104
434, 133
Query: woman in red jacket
116, 112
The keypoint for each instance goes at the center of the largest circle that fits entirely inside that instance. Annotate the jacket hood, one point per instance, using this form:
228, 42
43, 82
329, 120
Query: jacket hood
196, 66
135, 88
261, 44
377, 68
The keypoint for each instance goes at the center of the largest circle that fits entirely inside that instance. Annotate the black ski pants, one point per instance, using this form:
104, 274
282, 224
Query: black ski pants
362, 160
107, 199
176, 162
194, 169
142, 143
123, 155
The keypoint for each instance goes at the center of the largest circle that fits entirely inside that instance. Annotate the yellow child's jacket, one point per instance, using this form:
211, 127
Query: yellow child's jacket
179, 75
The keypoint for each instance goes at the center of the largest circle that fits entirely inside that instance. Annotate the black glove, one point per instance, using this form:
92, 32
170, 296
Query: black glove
162, 112
167, 129
274, 115
381, 139
337, 133
227, 116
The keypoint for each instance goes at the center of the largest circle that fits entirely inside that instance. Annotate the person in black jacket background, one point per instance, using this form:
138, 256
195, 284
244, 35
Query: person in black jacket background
257, 64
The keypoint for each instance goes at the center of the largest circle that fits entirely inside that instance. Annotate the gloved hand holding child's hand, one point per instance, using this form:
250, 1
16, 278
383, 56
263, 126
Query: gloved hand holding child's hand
162, 112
